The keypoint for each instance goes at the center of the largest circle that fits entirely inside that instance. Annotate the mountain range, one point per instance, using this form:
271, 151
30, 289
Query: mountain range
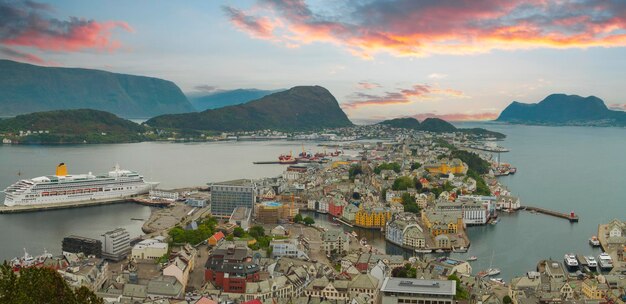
562, 109
220, 99
32, 88
297, 109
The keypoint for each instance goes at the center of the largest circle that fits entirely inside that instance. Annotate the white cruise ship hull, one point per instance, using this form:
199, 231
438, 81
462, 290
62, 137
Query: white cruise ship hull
61, 189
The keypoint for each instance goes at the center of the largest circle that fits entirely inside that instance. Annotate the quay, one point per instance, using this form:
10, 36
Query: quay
572, 217
56, 206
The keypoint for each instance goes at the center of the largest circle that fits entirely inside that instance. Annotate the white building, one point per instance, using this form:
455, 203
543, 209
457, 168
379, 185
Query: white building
150, 249
335, 241
287, 248
116, 244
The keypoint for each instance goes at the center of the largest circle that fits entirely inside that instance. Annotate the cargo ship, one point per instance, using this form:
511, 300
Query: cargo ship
66, 188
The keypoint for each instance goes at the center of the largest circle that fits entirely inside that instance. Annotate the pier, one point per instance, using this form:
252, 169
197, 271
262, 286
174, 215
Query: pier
572, 217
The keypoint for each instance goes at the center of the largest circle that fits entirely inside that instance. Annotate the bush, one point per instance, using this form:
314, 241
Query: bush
387, 166
402, 183
309, 221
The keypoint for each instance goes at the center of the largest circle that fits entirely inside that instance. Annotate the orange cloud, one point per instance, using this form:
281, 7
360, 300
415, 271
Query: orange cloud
402, 96
422, 28
27, 24
458, 116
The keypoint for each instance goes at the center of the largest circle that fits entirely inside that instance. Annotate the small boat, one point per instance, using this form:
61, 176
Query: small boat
472, 258
494, 222
571, 262
460, 249
591, 263
605, 262
423, 250
439, 251
492, 272
594, 242
498, 281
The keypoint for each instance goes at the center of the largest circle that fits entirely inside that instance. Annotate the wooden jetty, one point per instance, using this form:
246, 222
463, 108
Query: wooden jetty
572, 217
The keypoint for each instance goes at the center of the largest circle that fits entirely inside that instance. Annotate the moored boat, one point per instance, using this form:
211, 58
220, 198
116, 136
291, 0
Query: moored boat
594, 242
605, 262
472, 258
571, 262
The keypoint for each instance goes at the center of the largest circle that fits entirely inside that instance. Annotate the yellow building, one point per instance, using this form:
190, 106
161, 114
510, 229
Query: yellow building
372, 218
592, 289
439, 223
445, 166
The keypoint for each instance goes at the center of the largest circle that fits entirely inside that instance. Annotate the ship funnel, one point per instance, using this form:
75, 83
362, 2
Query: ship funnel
61, 170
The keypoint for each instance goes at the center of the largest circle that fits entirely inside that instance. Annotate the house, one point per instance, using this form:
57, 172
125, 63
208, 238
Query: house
594, 289
216, 238
335, 241
287, 248
230, 267
149, 249
407, 290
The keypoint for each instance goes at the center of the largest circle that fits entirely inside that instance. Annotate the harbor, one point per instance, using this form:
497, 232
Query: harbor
571, 217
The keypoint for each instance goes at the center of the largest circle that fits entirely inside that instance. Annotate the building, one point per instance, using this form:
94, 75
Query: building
150, 249
116, 244
417, 291
335, 241
241, 217
442, 222
593, 289
79, 244
227, 196
372, 217
230, 267
294, 172
341, 291
286, 248
404, 231
274, 212
198, 203
88, 272
473, 212
215, 238
445, 166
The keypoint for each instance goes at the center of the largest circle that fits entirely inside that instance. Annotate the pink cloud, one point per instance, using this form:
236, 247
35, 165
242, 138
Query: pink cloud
458, 116
27, 24
258, 27
422, 28
402, 96
367, 85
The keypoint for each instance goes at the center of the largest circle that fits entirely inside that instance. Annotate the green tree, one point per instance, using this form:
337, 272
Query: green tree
417, 184
387, 166
415, 166
507, 300
402, 183
354, 171
309, 221
461, 293
256, 232
297, 218
238, 232
40, 285
409, 204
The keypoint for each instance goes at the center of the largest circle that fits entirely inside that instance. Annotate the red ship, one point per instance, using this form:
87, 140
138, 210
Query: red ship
286, 159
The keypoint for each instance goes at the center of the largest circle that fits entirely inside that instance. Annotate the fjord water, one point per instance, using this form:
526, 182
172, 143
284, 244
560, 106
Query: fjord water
561, 168
174, 165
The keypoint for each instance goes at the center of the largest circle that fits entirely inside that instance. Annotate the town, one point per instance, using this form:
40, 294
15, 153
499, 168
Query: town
257, 241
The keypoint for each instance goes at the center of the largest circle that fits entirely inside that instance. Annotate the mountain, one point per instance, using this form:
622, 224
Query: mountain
402, 123
561, 109
296, 109
71, 126
436, 125
222, 99
32, 88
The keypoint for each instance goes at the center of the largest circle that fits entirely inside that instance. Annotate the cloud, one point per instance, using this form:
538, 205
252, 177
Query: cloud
28, 24
21, 56
258, 27
401, 96
617, 107
437, 76
365, 85
458, 116
205, 88
423, 28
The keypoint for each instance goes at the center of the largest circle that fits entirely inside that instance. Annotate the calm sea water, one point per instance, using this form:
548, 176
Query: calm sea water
173, 165
562, 168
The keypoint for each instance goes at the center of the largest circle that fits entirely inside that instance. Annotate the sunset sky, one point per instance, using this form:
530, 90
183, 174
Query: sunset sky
460, 60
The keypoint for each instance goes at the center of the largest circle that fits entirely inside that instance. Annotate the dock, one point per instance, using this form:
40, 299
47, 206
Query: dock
56, 206
572, 217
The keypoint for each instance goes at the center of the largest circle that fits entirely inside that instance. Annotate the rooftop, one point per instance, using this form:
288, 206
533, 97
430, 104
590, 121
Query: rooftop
418, 286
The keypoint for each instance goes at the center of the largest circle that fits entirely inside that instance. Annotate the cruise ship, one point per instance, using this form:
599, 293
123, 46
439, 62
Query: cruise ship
66, 188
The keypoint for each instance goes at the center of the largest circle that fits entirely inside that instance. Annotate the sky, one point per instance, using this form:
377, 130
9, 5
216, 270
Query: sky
454, 59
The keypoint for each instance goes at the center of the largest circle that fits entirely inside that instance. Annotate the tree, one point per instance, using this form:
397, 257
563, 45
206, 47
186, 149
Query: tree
387, 166
309, 221
40, 285
297, 218
415, 166
418, 184
238, 232
256, 232
354, 171
461, 293
402, 183
409, 204
507, 300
